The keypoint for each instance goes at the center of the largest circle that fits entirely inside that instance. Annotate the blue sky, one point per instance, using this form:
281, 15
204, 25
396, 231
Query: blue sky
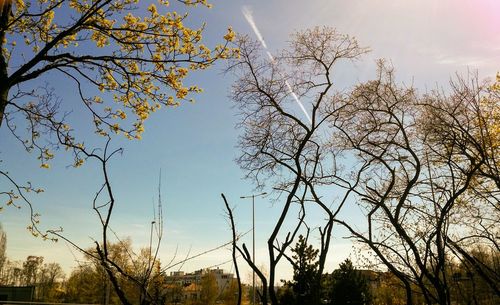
427, 41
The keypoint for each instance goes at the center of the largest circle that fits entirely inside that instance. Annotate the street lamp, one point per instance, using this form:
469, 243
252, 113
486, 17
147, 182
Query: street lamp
253, 238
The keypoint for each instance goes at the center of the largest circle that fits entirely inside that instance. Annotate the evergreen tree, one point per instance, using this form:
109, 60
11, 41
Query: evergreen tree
306, 278
349, 286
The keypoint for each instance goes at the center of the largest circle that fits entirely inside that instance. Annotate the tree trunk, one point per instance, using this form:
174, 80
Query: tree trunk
4, 93
5, 11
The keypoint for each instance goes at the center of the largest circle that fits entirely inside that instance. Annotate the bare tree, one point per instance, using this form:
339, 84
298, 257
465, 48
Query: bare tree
417, 179
286, 148
464, 127
423, 169
234, 248
142, 271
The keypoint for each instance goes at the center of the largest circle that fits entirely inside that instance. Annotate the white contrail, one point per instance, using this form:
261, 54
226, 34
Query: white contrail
249, 17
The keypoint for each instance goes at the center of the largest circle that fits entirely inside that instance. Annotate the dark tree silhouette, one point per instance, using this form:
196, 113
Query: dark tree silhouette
422, 169
306, 277
285, 148
349, 286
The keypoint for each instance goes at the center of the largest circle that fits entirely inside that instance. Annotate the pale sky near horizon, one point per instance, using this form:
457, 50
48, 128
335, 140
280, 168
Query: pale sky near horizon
427, 42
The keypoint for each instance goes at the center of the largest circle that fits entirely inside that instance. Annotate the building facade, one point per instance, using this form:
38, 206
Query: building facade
188, 286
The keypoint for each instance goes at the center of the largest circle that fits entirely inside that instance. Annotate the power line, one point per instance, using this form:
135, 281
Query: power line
203, 253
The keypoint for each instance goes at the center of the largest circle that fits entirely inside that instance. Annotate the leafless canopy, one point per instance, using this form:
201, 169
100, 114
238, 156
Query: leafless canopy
422, 168
285, 103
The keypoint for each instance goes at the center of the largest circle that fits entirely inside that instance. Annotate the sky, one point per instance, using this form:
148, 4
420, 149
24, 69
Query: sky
194, 145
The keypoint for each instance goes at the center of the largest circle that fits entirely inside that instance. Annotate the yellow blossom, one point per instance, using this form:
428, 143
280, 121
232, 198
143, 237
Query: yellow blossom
152, 9
230, 35
78, 163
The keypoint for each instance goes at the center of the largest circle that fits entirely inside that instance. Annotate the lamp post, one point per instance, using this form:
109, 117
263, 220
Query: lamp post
253, 238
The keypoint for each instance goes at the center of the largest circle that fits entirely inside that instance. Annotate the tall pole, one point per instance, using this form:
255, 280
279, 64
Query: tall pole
253, 239
253, 247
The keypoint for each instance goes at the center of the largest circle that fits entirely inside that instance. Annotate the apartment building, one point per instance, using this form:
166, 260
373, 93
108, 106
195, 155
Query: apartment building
190, 283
